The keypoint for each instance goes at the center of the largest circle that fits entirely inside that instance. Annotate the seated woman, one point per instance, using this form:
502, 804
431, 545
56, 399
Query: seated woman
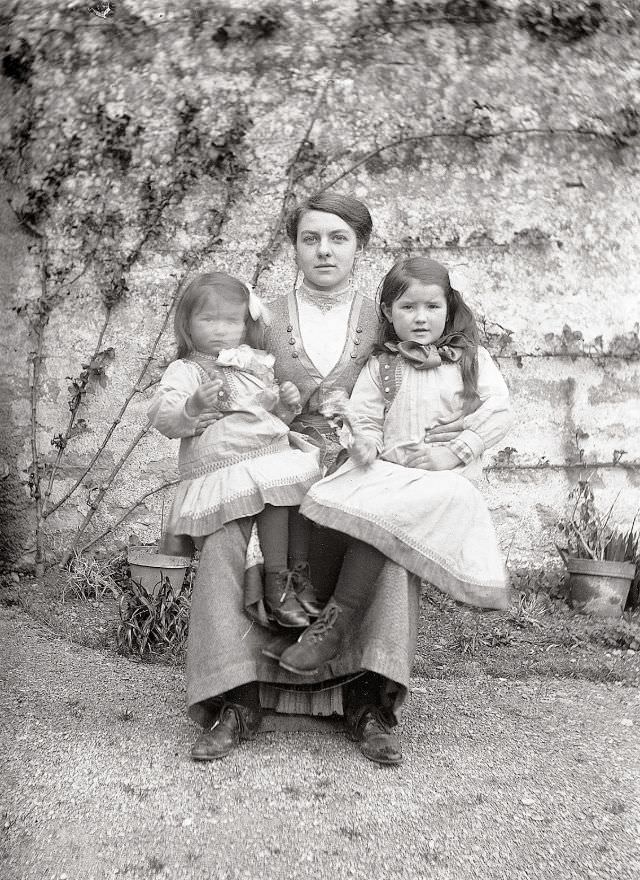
321, 335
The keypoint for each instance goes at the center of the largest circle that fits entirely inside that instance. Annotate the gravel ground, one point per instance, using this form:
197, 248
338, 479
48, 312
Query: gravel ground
502, 778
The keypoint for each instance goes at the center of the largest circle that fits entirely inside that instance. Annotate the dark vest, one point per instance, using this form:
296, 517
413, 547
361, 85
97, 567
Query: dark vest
292, 364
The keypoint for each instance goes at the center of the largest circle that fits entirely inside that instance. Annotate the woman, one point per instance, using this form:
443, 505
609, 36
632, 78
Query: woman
321, 335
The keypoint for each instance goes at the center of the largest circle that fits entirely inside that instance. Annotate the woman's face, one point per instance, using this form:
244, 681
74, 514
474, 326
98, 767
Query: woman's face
325, 248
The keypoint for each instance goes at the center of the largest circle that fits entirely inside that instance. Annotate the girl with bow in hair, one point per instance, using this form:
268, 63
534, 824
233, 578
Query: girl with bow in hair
401, 495
237, 457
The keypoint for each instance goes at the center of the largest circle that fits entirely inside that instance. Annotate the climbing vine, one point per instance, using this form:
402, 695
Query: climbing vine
94, 210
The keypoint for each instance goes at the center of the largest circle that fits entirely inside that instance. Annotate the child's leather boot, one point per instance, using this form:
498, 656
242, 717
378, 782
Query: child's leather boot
281, 600
305, 593
318, 644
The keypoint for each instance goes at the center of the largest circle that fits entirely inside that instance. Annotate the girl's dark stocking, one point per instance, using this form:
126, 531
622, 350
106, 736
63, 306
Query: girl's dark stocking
273, 530
326, 555
299, 537
360, 571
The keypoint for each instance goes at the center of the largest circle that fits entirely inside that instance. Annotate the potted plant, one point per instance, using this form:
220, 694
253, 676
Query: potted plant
601, 559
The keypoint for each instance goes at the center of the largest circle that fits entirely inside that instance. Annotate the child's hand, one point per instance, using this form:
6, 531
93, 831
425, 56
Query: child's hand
446, 432
433, 458
289, 395
363, 450
206, 397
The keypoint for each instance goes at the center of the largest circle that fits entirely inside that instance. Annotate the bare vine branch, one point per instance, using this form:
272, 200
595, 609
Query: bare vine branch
127, 513
469, 135
64, 439
126, 265
37, 327
95, 503
592, 356
136, 389
566, 466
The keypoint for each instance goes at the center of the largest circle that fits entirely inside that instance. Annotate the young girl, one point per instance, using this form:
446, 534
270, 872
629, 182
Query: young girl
400, 495
242, 463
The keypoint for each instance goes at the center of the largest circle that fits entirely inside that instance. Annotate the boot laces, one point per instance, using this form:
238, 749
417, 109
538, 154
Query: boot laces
324, 624
301, 577
374, 719
287, 579
235, 711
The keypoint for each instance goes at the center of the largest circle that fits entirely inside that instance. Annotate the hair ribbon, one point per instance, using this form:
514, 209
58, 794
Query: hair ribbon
257, 309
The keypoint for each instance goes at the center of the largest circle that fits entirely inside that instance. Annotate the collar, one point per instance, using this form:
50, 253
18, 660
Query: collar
325, 301
448, 348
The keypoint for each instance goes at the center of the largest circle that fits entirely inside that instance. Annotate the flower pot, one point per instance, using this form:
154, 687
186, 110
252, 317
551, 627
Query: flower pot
599, 587
149, 568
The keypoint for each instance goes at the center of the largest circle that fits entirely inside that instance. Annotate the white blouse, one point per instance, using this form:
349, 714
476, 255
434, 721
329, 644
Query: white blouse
427, 398
323, 332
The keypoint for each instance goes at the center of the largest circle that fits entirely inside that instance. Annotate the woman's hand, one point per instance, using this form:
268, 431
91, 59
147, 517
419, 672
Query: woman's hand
363, 450
444, 433
289, 395
205, 419
433, 458
205, 398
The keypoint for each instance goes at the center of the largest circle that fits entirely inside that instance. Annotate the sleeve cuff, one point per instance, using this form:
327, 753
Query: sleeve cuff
187, 420
467, 446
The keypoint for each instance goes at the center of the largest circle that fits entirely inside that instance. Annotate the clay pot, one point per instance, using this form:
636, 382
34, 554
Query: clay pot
599, 587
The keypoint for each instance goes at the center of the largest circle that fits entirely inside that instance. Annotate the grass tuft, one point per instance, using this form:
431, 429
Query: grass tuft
92, 579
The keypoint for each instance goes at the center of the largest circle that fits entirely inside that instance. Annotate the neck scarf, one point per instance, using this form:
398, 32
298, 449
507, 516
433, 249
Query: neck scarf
448, 348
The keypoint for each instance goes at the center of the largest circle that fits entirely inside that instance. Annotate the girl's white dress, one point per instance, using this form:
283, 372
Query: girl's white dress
243, 461
433, 523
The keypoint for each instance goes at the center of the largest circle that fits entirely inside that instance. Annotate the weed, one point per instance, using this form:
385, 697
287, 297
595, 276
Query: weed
500, 637
529, 609
91, 579
468, 640
125, 715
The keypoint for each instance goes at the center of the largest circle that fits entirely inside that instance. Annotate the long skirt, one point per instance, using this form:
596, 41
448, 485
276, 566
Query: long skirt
433, 523
225, 647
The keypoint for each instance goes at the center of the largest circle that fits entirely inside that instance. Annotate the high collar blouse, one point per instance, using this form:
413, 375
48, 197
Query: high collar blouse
323, 332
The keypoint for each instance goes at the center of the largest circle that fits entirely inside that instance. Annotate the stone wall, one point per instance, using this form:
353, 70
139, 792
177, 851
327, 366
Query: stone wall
498, 137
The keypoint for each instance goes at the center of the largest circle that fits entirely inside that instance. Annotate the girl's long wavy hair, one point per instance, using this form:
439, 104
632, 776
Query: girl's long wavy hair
460, 318
212, 284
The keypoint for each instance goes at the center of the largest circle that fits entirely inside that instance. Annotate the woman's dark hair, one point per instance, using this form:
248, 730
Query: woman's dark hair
347, 208
220, 284
460, 318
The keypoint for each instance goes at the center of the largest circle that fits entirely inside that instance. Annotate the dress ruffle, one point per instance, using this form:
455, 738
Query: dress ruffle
204, 504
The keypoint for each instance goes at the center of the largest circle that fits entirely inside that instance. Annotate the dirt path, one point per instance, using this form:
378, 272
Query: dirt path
535, 778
